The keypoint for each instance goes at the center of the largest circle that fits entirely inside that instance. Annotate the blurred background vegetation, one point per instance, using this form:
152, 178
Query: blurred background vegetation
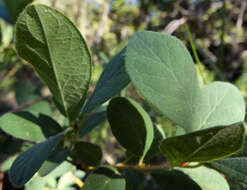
218, 33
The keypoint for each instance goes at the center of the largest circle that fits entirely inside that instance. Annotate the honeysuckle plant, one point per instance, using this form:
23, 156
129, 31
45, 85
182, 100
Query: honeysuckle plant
162, 70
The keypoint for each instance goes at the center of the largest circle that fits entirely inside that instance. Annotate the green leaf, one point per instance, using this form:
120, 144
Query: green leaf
131, 125
87, 153
206, 178
92, 122
15, 7
163, 71
29, 162
174, 180
53, 161
113, 79
234, 168
105, 178
204, 145
31, 126
49, 41
201, 178
159, 136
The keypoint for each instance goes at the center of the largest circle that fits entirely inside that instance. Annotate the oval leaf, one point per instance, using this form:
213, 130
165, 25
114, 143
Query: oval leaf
29, 162
52, 44
234, 168
131, 125
105, 178
87, 153
204, 145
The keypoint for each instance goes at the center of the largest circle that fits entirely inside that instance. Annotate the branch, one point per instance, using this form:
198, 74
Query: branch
9, 70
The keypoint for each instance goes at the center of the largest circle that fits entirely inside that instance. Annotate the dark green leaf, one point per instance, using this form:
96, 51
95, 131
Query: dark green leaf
159, 136
30, 126
113, 79
53, 161
234, 168
174, 180
87, 153
204, 145
15, 7
92, 122
163, 71
131, 125
29, 162
105, 178
53, 45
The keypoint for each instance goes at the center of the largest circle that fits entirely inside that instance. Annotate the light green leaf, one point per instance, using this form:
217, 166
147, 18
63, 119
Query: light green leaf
53, 45
234, 168
131, 125
29, 162
15, 7
113, 79
87, 153
105, 178
204, 145
163, 71
53, 161
31, 126
206, 178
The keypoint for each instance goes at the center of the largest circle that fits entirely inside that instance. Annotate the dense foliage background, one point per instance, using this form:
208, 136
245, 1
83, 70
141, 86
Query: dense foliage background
218, 28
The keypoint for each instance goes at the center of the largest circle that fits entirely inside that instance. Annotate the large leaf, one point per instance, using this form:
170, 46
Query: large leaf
87, 153
52, 44
29, 162
201, 178
105, 178
131, 125
15, 7
163, 71
204, 145
234, 168
30, 126
113, 79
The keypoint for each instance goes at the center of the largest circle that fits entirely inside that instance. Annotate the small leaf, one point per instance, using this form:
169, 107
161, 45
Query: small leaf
131, 125
30, 126
29, 162
113, 79
15, 7
92, 122
87, 153
53, 161
53, 45
234, 168
162, 69
105, 178
204, 145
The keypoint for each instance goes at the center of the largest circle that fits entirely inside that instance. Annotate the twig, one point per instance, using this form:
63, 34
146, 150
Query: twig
222, 40
28, 104
174, 25
241, 14
9, 70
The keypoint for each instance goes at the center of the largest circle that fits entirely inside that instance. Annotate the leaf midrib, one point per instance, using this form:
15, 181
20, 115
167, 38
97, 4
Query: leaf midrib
51, 60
